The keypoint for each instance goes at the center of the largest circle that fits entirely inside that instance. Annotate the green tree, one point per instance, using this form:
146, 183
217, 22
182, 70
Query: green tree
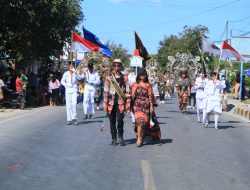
184, 42
119, 52
36, 29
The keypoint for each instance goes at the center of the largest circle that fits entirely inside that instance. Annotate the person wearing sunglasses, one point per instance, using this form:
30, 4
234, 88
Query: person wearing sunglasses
116, 101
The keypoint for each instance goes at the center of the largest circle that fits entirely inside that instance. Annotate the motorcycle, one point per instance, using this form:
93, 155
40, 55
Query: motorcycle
14, 99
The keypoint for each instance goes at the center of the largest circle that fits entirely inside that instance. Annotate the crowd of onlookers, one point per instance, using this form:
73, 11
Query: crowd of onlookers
44, 88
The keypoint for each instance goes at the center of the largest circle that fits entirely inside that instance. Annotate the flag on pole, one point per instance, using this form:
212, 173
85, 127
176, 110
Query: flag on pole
209, 47
81, 44
227, 52
142, 50
89, 36
89, 43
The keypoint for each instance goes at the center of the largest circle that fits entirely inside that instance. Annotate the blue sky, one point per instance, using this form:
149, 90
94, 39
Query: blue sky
115, 20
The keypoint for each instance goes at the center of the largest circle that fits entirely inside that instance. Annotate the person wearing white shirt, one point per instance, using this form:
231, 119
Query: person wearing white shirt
92, 79
200, 84
69, 81
213, 89
132, 80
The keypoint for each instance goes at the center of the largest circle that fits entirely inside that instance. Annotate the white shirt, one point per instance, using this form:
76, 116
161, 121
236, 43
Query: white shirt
213, 90
69, 81
92, 79
131, 78
1, 84
200, 85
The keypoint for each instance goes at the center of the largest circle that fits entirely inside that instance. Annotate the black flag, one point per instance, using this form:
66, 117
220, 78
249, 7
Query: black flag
142, 50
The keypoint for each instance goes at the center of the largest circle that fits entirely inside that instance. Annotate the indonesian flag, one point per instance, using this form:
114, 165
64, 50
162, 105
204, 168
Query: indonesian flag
227, 51
81, 44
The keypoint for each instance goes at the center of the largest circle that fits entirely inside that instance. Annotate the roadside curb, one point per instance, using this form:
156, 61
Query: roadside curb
242, 111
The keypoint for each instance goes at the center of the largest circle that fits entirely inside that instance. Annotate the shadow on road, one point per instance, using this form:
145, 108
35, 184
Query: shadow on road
89, 121
230, 122
226, 127
148, 141
230, 107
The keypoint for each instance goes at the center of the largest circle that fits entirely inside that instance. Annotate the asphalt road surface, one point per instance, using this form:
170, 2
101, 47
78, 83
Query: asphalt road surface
38, 151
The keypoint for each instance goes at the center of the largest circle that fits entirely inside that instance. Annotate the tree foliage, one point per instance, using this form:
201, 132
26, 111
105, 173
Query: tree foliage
184, 42
36, 29
119, 52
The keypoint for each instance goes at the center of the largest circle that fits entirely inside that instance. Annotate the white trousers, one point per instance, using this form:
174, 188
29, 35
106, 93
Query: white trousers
89, 102
71, 100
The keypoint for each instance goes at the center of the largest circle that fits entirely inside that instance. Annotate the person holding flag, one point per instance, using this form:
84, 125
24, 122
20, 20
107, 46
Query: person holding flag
212, 90
69, 81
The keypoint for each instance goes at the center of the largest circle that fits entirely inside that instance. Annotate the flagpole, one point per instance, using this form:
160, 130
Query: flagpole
201, 54
241, 81
218, 68
71, 47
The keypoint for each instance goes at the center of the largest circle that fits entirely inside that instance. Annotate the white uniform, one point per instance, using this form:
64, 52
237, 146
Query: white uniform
132, 80
200, 95
92, 79
69, 81
213, 91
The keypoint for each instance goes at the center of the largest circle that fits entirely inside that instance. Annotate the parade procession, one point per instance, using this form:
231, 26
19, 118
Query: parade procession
124, 94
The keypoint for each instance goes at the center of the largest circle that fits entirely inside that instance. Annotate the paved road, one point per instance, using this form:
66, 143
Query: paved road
39, 152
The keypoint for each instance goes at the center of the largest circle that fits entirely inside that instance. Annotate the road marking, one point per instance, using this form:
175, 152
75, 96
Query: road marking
148, 178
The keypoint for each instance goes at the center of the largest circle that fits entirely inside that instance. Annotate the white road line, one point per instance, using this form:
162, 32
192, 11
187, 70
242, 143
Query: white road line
148, 178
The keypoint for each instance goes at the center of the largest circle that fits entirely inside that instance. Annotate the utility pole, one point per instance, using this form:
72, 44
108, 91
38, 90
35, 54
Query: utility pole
227, 30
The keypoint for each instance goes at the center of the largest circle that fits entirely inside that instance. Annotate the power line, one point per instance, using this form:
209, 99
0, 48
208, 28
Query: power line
175, 20
240, 20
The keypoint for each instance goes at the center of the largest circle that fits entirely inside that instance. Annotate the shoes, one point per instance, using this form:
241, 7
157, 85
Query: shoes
97, 108
69, 123
74, 122
198, 120
216, 127
206, 125
90, 116
189, 107
121, 141
139, 144
85, 117
114, 142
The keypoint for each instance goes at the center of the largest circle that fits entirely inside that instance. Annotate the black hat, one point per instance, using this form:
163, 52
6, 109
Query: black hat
90, 64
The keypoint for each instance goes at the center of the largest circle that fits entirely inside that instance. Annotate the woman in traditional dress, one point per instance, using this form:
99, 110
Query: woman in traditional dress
142, 104
183, 87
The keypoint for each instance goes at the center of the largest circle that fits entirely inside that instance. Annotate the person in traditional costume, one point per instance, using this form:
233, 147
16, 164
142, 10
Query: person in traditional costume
69, 81
143, 106
213, 90
200, 84
92, 79
116, 101
183, 87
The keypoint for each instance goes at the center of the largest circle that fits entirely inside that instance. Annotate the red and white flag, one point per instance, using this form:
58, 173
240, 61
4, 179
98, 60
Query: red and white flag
81, 44
227, 52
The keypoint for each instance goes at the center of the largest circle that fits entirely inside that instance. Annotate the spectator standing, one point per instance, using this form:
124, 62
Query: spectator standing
54, 86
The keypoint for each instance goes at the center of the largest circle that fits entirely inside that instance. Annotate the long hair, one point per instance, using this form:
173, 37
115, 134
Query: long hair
142, 72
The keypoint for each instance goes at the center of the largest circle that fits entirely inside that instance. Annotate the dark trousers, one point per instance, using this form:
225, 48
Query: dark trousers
116, 117
192, 96
162, 96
